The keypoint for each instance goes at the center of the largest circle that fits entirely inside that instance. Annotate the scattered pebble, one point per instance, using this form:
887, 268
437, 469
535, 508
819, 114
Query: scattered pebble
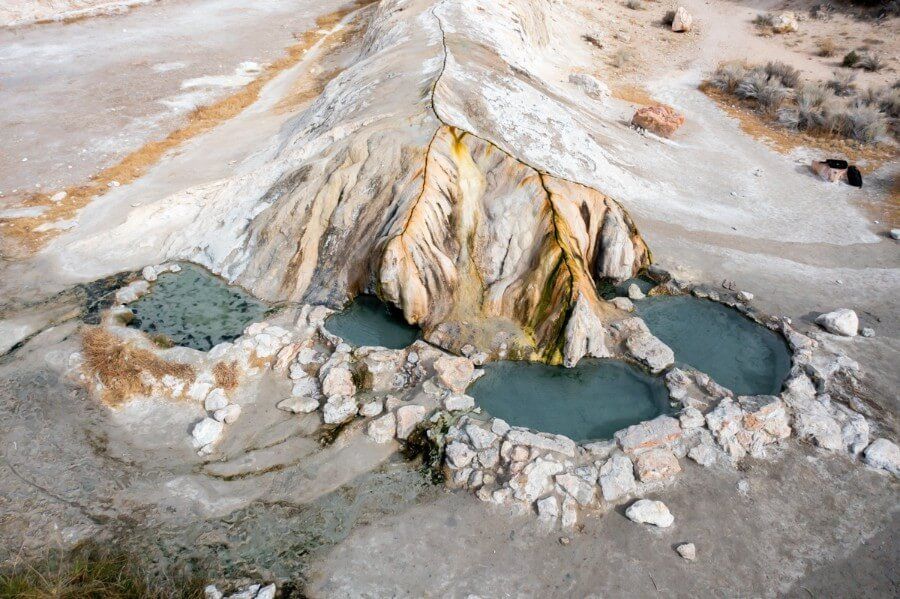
688, 551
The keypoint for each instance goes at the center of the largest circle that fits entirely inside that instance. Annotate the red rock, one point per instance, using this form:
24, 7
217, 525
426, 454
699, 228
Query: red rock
827, 173
661, 120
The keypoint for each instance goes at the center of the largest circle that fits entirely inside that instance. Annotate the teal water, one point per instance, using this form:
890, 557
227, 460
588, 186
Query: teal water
589, 402
736, 352
367, 321
195, 308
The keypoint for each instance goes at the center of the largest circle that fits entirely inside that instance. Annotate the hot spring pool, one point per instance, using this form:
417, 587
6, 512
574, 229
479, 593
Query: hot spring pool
589, 402
195, 308
736, 352
367, 321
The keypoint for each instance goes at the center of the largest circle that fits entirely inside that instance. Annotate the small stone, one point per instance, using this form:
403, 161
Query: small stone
577, 488
488, 458
267, 592
456, 402
895, 233
635, 293
499, 427
648, 511
408, 418
745, 296
339, 409
198, 390
688, 551
569, 512
658, 119
623, 303
657, 464
338, 381
215, 400
454, 373
211, 592
299, 405
703, 454
548, 509
59, 196
207, 432
371, 408
392, 402
683, 21
556, 443
885, 455
383, 429
481, 439
229, 414
867, 332
743, 487
459, 454
564, 541
840, 322
662, 431
691, 418
617, 478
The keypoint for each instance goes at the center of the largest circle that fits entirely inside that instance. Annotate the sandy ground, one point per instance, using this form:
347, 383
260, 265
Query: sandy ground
812, 524
77, 97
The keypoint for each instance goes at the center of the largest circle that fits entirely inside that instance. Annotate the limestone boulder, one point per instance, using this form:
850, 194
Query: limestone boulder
884, 454
454, 373
617, 478
408, 418
683, 21
656, 464
786, 22
339, 409
840, 322
647, 511
661, 432
382, 429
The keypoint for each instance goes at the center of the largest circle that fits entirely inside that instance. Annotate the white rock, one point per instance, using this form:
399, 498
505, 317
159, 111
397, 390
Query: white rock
535, 479
786, 22
622, 303
646, 348
207, 432
683, 21
392, 402
338, 381
569, 512
662, 431
688, 551
481, 439
408, 418
895, 233
454, 373
703, 454
229, 414
885, 455
488, 458
149, 273
267, 592
580, 490
867, 332
299, 405
556, 443
456, 402
339, 408
211, 592
59, 196
635, 293
840, 322
647, 511
371, 408
383, 429
199, 390
215, 400
499, 427
305, 386
459, 454
617, 478
132, 291
548, 509
590, 85
691, 418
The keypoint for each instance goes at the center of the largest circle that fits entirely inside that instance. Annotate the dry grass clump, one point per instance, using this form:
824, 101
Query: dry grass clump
91, 572
842, 84
826, 47
226, 375
832, 109
764, 20
119, 366
863, 59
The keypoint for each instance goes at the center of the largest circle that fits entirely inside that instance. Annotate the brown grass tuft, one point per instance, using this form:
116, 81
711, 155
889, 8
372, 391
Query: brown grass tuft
136, 164
119, 366
785, 140
226, 375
